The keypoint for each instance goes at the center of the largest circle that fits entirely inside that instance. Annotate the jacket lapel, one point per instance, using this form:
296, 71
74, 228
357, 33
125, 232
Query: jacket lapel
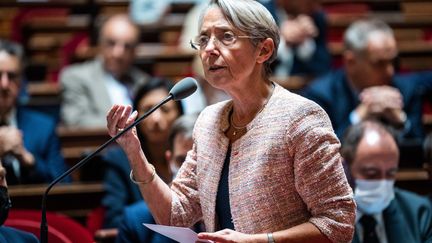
395, 225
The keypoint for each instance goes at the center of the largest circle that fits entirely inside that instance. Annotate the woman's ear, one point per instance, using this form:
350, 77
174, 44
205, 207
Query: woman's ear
266, 50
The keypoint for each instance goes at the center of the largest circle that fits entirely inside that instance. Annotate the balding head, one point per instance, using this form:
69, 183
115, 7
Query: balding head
118, 38
371, 151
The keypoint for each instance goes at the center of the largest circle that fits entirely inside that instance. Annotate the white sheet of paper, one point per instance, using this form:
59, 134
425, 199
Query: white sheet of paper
180, 234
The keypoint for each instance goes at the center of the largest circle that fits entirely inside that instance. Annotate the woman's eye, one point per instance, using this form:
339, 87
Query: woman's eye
202, 40
228, 36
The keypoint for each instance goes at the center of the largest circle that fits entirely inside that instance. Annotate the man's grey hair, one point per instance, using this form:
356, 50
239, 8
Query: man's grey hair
252, 18
357, 35
13, 49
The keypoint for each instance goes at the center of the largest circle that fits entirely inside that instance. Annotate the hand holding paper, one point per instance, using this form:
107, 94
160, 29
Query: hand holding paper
180, 234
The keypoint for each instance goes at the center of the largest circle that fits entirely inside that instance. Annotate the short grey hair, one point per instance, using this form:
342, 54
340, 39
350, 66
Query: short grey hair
13, 49
357, 35
252, 18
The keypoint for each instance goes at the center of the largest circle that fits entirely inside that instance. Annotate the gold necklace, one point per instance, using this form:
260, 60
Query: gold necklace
237, 129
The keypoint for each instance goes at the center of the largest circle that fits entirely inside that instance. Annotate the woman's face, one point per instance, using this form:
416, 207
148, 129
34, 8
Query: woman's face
156, 127
225, 65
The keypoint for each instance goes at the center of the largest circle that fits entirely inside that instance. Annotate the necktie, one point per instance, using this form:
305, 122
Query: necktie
369, 234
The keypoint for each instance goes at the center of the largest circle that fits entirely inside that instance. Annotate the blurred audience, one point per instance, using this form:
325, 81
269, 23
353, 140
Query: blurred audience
368, 87
131, 228
91, 88
303, 48
385, 213
29, 146
153, 133
8, 234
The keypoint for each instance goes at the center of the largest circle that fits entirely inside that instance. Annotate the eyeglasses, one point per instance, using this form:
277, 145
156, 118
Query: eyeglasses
226, 38
12, 76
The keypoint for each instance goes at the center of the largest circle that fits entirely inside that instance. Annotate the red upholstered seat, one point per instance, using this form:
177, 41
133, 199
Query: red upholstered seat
61, 229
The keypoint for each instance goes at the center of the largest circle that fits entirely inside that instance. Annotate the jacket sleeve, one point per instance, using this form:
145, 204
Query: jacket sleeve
186, 208
319, 175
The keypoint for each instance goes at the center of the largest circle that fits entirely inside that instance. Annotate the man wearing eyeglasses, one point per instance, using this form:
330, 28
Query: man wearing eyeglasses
29, 147
90, 88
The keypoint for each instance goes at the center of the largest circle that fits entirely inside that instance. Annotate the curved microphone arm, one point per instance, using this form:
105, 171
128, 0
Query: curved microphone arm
44, 223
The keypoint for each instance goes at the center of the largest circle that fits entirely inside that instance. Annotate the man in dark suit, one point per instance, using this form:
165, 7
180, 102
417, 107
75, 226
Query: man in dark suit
29, 147
92, 87
368, 87
384, 212
8, 234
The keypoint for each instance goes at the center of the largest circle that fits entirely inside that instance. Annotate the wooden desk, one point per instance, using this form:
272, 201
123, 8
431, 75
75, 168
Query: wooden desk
415, 180
78, 142
75, 200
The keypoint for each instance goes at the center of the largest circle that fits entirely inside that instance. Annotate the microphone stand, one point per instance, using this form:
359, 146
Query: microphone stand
44, 223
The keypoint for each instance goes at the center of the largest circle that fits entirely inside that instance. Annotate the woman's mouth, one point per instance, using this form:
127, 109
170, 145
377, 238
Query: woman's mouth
215, 68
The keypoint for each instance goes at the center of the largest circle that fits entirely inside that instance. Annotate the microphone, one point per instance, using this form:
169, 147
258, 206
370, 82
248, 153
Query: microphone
181, 90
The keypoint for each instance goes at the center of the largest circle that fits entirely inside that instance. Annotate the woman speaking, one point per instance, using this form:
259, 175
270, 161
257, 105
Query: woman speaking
265, 165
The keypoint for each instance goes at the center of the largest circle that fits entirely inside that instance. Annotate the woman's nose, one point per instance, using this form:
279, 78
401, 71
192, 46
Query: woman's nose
212, 44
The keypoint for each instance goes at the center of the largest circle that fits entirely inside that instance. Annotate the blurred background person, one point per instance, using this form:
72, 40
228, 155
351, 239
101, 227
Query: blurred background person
29, 146
131, 228
153, 134
303, 48
8, 234
368, 87
90, 88
384, 213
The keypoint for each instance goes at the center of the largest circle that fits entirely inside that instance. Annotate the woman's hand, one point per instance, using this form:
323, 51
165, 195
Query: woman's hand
119, 117
229, 236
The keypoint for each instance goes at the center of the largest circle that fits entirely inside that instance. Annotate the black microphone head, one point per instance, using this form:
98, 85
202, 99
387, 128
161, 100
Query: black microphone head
183, 88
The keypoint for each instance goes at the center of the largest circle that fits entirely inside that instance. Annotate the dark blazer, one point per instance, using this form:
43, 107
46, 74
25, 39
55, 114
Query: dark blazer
408, 218
320, 62
131, 228
120, 191
40, 139
11, 235
334, 94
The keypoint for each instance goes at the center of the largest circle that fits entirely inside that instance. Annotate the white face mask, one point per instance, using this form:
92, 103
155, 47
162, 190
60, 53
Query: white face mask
373, 196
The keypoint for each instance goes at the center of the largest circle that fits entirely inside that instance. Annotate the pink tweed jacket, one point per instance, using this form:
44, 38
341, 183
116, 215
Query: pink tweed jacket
286, 170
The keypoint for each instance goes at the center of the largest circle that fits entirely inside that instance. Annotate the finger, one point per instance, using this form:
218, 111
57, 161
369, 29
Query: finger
211, 236
132, 118
109, 116
124, 117
111, 112
113, 120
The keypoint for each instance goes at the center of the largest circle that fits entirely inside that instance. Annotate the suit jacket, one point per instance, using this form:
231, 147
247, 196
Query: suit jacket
408, 218
320, 61
85, 96
119, 189
131, 228
11, 235
40, 139
285, 171
334, 94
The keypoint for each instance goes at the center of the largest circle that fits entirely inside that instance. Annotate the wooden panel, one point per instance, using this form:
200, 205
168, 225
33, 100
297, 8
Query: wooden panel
75, 200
